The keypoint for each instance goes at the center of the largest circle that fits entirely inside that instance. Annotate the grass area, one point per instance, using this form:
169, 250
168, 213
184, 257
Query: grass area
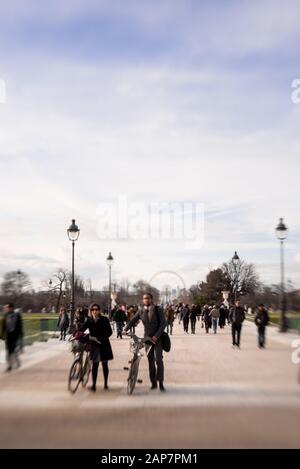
37, 327
293, 319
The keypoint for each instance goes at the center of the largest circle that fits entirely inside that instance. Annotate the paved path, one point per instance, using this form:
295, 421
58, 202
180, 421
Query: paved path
216, 397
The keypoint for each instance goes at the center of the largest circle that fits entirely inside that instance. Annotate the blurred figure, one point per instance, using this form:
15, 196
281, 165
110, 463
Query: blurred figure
206, 318
12, 333
170, 316
198, 312
222, 318
99, 327
63, 323
261, 320
214, 314
193, 318
81, 316
179, 312
237, 317
130, 314
186, 318
119, 317
226, 313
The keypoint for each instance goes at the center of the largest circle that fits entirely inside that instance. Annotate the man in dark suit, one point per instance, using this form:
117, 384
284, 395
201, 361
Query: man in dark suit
154, 323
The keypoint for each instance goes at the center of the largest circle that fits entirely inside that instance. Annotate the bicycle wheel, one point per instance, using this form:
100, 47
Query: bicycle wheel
75, 376
86, 371
133, 374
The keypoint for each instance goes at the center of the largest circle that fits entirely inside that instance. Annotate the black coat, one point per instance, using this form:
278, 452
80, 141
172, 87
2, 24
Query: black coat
193, 314
119, 316
237, 315
261, 318
100, 329
206, 316
222, 319
16, 333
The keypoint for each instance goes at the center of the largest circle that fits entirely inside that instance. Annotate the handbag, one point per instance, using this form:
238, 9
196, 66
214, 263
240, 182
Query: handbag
166, 342
165, 338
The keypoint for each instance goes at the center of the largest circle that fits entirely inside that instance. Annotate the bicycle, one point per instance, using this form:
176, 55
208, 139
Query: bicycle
136, 345
81, 366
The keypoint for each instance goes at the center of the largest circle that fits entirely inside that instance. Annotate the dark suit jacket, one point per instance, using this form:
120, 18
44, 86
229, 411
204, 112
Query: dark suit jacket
16, 333
154, 322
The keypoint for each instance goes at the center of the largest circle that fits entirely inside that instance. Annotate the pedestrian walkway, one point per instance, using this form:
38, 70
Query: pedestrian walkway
216, 397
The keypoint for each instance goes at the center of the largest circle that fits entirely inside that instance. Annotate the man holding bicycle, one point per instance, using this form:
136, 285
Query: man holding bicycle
154, 323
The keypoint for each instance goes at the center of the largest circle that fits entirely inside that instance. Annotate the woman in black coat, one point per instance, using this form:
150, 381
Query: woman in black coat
99, 327
222, 317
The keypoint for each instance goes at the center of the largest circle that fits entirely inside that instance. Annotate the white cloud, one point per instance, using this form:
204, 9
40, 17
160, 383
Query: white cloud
74, 134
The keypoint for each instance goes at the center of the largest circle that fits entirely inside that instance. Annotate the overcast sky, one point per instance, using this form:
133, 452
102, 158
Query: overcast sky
160, 101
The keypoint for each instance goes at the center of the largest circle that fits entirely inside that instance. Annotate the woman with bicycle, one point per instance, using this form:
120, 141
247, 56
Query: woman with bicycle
101, 351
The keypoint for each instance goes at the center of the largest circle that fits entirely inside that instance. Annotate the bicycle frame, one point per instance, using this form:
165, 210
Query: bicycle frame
136, 345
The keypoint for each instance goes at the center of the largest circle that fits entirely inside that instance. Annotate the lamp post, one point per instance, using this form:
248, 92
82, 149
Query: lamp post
109, 261
19, 288
281, 233
236, 261
73, 234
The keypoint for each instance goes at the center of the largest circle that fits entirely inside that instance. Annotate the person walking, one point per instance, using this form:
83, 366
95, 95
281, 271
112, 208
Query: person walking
100, 329
119, 317
154, 323
130, 313
193, 318
186, 318
206, 318
63, 323
179, 312
12, 333
214, 314
237, 317
222, 318
81, 316
261, 320
170, 316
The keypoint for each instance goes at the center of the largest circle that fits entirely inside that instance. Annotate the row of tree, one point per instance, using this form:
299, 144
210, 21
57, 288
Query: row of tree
239, 279
17, 288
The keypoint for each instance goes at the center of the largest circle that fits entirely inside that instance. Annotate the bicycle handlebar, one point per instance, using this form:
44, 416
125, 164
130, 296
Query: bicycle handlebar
145, 340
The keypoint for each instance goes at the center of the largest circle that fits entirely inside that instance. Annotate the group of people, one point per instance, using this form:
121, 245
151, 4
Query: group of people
99, 327
212, 317
155, 320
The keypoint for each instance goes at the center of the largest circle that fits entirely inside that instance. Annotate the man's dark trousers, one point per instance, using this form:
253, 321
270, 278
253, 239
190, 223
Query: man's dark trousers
156, 364
236, 333
261, 336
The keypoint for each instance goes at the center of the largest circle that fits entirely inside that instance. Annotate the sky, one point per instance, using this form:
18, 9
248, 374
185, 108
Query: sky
169, 101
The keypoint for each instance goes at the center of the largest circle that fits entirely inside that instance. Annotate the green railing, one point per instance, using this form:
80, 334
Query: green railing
37, 329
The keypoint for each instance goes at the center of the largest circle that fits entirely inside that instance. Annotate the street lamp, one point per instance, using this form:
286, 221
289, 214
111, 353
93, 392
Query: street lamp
73, 234
109, 261
236, 261
281, 233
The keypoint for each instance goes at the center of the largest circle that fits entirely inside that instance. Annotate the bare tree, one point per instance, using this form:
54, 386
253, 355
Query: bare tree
242, 277
59, 279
